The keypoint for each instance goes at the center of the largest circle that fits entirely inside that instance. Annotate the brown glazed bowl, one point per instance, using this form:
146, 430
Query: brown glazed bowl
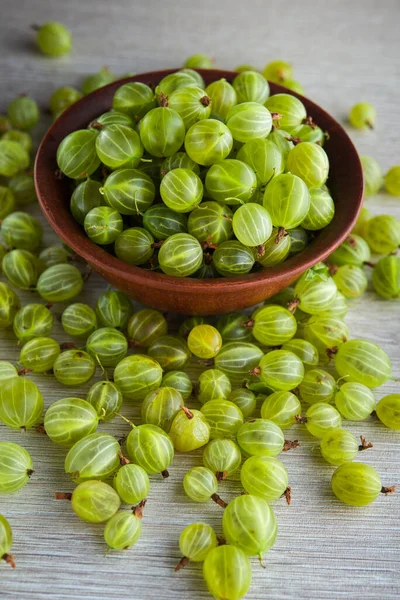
188, 295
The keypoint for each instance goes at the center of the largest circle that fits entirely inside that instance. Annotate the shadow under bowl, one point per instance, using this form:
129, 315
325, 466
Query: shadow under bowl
188, 295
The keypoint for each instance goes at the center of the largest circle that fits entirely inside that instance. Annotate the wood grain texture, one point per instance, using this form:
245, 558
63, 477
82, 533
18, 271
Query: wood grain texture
343, 52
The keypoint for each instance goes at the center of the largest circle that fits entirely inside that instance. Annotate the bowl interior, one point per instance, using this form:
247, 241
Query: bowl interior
345, 183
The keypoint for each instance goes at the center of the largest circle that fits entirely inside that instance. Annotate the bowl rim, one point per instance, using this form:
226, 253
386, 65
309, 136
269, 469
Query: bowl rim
102, 260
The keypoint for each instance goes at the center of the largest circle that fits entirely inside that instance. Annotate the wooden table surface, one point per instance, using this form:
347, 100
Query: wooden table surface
343, 52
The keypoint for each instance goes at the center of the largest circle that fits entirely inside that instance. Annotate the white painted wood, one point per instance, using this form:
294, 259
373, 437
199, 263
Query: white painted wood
343, 52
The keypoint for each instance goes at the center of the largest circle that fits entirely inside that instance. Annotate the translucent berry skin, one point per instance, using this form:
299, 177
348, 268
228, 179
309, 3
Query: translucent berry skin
137, 375
325, 332
249, 121
31, 321
97, 80
119, 146
355, 401
223, 97
68, 420
180, 255
161, 406
317, 386
316, 294
146, 326
200, 483
227, 573
212, 384
106, 398
199, 61
309, 162
362, 116
386, 277
278, 71
151, 448
79, 320
162, 132
189, 432
85, 197
62, 98
251, 86
363, 362
181, 190
281, 370
291, 108
13, 158
39, 355
252, 224
21, 269
208, 142
9, 305
76, 155
134, 246
273, 325
233, 258
373, 176
132, 483
174, 81
204, 341
265, 477
123, 530
356, 484
180, 381
113, 309
16, 467
281, 408
321, 210
388, 411
7, 202
162, 222
236, 359
107, 345
196, 541
192, 103
222, 456
21, 403
260, 437
60, 283
22, 231
96, 456
392, 181
6, 539
383, 234
53, 255
54, 39
23, 185
351, 281
134, 99
74, 367
23, 113
306, 351
339, 446
95, 501
321, 417
7, 370
275, 250
249, 523
231, 181
223, 417
353, 251
245, 400
287, 200
171, 352
103, 225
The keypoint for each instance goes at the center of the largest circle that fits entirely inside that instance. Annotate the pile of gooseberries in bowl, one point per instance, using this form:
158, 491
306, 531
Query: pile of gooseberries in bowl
199, 191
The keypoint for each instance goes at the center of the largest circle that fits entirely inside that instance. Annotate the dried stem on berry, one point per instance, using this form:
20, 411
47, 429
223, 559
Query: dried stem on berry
281, 234
182, 564
221, 475
40, 429
309, 121
205, 100
23, 372
255, 371
249, 323
289, 444
293, 304
96, 125
301, 419
187, 412
364, 444
9, 559
163, 100
67, 345
388, 490
138, 510
276, 116
260, 250
123, 460
294, 140
330, 352
219, 501
368, 263
287, 494
63, 496
165, 474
